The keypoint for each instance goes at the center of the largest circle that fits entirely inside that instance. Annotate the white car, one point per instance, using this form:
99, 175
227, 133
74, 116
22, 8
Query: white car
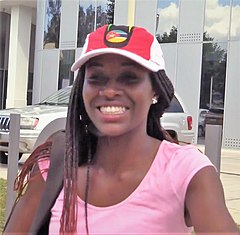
35, 117
177, 121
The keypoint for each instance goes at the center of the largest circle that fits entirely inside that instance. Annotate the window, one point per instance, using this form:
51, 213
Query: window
52, 24
167, 20
66, 77
93, 14
213, 75
235, 20
175, 106
217, 16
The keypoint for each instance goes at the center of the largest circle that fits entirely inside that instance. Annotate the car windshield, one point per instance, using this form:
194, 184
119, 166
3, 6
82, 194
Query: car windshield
61, 97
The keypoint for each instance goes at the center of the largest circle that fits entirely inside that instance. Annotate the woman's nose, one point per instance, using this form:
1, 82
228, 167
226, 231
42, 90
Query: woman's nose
110, 90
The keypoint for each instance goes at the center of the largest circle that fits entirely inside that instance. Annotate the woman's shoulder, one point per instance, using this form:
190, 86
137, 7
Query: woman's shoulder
172, 149
187, 156
180, 163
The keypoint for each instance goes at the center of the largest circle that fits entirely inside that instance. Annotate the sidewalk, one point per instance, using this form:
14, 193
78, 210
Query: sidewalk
230, 177
229, 174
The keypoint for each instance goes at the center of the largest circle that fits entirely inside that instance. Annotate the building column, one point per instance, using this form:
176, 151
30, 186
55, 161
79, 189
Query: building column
20, 31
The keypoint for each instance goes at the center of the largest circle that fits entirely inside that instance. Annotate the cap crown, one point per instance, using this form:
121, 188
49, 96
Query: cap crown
136, 43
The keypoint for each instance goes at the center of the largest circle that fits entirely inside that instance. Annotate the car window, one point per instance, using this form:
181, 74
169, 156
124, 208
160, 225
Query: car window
175, 106
61, 97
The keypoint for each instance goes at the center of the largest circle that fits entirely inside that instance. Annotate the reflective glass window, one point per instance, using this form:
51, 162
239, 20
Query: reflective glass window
217, 18
66, 76
167, 20
214, 61
93, 14
235, 20
4, 50
52, 24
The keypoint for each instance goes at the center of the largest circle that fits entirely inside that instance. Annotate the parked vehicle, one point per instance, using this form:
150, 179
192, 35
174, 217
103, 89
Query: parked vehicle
35, 117
177, 121
202, 122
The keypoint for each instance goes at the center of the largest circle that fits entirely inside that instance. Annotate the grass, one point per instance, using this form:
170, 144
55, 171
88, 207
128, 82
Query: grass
3, 191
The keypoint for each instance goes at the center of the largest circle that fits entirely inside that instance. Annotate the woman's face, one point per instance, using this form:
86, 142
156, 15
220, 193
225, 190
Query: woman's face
117, 94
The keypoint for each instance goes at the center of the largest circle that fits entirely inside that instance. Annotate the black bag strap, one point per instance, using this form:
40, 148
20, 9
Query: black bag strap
53, 186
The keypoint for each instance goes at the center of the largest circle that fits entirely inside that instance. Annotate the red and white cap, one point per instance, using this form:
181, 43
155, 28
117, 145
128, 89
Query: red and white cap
135, 43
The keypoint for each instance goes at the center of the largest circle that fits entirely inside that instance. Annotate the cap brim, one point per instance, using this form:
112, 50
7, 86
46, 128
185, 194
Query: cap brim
148, 64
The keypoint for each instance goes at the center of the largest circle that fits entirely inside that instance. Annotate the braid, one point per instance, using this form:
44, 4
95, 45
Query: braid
71, 161
79, 141
164, 90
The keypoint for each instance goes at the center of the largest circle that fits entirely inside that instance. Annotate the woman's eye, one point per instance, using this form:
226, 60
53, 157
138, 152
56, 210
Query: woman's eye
96, 80
130, 79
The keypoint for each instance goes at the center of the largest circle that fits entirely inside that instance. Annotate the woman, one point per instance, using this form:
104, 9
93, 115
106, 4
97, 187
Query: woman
121, 175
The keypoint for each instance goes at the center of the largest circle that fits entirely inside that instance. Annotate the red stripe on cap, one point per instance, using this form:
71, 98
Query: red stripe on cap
140, 42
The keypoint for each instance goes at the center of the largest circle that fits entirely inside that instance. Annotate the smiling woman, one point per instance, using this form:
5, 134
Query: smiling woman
122, 173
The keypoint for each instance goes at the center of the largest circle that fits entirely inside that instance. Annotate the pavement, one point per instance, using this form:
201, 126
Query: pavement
229, 175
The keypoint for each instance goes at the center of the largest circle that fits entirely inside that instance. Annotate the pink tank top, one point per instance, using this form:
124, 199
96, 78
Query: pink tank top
155, 207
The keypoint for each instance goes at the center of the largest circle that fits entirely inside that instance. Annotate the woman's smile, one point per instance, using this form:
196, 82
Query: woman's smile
112, 110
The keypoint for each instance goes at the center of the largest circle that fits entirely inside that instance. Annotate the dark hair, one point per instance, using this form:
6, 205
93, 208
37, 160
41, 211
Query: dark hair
81, 144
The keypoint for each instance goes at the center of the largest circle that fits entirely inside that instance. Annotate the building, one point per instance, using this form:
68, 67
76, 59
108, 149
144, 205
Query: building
200, 40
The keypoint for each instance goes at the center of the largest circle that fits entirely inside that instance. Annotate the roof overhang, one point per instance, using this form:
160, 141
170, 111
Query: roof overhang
5, 5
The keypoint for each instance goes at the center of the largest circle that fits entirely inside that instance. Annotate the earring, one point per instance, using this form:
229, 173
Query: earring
154, 100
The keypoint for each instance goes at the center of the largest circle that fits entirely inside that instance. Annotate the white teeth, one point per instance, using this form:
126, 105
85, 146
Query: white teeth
112, 109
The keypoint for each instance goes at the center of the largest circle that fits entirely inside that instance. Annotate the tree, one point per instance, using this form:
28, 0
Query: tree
51, 35
213, 70
86, 19
168, 38
110, 11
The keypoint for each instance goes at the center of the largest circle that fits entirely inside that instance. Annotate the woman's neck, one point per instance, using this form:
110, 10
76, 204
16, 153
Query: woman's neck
116, 154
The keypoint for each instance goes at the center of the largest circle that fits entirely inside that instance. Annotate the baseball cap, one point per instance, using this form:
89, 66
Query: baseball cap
135, 43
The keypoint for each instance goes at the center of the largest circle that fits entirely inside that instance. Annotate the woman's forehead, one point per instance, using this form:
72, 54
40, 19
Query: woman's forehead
111, 59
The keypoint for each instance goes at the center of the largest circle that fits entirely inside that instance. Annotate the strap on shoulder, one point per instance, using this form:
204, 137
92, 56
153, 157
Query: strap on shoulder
53, 186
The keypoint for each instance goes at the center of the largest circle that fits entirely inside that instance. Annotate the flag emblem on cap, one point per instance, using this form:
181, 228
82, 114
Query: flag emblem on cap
116, 36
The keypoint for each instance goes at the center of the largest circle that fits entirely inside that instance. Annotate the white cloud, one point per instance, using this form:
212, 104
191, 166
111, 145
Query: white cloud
217, 18
167, 18
235, 25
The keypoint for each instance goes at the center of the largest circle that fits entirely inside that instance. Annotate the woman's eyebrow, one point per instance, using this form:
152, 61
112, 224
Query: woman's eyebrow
129, 63
92, 63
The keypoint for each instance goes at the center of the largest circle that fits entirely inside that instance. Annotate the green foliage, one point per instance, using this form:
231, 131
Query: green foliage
168, 38
87, 21
213, 67
52, 29
3, 191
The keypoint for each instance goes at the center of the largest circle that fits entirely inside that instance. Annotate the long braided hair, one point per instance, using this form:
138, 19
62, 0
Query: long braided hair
81, 144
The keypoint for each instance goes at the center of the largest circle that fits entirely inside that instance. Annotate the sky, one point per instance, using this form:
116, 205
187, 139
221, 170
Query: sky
216, 18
